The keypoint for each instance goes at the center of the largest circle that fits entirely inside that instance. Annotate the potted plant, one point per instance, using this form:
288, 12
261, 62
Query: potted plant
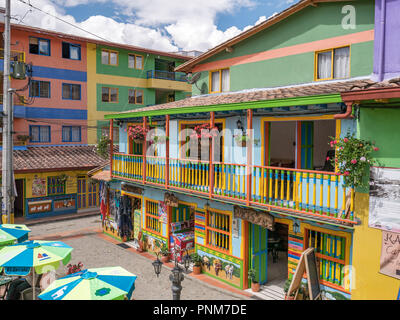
286, 289
142, 242
242, 139
103, 147
164, 253
138, 133
197, 262
72, 268
23, 138
255, 285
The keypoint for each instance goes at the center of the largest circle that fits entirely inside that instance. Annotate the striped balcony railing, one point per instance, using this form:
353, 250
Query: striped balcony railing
127, 166
315, 193
166, 75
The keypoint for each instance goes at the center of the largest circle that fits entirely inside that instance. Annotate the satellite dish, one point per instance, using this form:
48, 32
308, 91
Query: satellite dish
194, 78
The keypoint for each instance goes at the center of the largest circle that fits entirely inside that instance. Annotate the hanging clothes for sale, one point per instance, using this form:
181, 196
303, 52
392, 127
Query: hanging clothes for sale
125, 226
103, 199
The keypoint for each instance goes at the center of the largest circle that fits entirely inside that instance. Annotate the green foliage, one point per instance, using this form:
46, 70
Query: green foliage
103, 147
197, 259
253, 275
287, 285
164, 250
353, 156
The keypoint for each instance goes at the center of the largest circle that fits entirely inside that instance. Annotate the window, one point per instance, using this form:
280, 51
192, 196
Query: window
109, 57
71, 91
71, 51
152, 216
55, 186
220, 81
135, 96
39, 133
331, 255
135, 61
71, 133
39, 89
218, 230
109, 94
39, 46
333, 64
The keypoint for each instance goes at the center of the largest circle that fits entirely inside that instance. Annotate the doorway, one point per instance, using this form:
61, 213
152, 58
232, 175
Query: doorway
19, 200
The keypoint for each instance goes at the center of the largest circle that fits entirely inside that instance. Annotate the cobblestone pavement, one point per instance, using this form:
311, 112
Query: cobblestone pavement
94, 250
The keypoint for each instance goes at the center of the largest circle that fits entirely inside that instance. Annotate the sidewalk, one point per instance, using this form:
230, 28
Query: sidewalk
58, 218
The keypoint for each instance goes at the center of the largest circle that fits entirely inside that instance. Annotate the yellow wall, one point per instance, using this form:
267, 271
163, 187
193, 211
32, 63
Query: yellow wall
367, 243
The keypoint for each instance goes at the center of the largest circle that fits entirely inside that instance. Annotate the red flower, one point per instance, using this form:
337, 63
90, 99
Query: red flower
376, 149
345, 140
354, 161
327, 158
346, 173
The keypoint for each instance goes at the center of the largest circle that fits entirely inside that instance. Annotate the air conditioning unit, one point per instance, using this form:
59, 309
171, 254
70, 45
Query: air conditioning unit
18, 70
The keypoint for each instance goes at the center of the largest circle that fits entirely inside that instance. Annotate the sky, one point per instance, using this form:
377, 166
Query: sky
166, 25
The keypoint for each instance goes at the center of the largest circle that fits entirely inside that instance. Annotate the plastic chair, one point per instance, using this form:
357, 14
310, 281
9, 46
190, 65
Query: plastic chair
5, 282
27, 294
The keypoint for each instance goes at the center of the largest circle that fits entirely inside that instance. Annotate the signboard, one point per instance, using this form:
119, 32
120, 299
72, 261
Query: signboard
171, 200
63, 204
260, 218
39, 206
384, 199
312, 269
162, 212
390, 254
132, 189
38, 187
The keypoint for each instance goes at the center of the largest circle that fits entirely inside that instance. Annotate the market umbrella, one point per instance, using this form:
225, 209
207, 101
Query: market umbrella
37, 255
13, 233
110, 283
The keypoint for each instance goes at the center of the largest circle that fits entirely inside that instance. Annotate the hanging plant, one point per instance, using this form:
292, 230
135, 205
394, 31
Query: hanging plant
62, 178
352, 156
242, 139
204, 131
138, 133
102, 148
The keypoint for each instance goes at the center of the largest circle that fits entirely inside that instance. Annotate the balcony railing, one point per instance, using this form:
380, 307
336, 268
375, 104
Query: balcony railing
314, 193
166, 75
15, 55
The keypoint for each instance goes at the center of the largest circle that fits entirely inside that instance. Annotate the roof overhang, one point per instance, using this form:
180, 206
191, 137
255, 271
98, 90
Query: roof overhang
377, 95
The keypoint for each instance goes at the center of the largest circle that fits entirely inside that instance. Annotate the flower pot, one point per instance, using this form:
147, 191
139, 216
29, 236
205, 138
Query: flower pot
165, 259
255, 286
196, 269
241, 143
289, 297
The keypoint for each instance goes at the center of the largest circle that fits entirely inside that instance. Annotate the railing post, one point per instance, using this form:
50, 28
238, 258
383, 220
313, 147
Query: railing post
212, 173
249, 153
167, 151
111, 145
144, 151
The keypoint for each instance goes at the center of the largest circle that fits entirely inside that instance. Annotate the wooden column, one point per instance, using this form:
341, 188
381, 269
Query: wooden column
211, 174
111, 145
144, 152
249, 153
167, 151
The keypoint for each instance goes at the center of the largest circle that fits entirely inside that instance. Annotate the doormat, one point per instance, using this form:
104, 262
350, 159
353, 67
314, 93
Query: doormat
123, 245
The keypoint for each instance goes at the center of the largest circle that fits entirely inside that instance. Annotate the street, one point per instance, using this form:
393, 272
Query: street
95, 250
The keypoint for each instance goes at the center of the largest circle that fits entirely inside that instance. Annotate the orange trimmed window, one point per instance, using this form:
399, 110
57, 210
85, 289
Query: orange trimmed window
331, 255
135, 96
109, 57
135, 61
109, 94
332, 64
152, 217
219, 81
218, 230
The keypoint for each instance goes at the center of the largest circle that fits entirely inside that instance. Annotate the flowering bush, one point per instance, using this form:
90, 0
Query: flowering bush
204, 131
137, 132
72, 268
352, 156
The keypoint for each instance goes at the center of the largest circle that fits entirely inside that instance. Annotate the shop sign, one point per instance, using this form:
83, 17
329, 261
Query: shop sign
132, 189
171, 200
256, 217
38, 187
39, 206
390, 254
63, 204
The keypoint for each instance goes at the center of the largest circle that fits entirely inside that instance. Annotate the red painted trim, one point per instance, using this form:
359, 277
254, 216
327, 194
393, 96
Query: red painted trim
371, 94
167, 151
111, 144
212, 173
298, 146
347, 114
144, 152
249, 153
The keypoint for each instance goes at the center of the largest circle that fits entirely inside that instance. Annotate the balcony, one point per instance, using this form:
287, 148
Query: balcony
15, 55
158, 79
307, 193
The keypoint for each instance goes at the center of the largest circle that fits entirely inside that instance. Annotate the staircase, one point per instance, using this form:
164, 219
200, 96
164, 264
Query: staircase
273, 290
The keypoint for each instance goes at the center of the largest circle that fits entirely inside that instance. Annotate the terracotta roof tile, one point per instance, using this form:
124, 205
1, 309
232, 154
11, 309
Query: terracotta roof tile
57, 157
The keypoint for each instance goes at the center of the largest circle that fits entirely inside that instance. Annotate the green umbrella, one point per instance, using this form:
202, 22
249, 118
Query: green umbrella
111, 283
13, 233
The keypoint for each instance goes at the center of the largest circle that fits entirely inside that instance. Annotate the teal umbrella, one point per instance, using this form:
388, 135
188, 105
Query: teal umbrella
13, 233
110, 283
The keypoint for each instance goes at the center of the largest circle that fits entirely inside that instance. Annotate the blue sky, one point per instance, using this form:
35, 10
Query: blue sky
167, 25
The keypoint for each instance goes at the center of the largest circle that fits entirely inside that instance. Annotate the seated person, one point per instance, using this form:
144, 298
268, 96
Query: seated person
19, 285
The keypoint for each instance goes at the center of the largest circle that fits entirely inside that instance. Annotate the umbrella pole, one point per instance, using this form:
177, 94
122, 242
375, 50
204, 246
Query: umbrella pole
33, 283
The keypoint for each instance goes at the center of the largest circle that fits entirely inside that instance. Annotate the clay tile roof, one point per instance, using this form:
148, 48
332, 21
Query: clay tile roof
57, 157
314, 89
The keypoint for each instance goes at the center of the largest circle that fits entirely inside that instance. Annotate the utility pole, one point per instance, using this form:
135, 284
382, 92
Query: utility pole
7, 189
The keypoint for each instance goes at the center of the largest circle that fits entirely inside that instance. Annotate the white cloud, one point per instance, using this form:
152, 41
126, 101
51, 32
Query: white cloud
156, 24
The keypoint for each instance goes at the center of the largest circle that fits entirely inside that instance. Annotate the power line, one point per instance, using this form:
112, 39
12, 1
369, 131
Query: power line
58, 18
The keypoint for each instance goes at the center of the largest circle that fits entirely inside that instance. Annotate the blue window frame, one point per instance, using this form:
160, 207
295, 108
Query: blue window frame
55, 186
40, 133
71, 51
39, 46
71, 134
71, 91
39, 89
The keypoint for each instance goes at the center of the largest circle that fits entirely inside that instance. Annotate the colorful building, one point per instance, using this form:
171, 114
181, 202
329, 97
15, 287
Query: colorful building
281, 85
59, 103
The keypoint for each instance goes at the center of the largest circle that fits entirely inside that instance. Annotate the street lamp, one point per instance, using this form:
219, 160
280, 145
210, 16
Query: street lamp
177, 273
